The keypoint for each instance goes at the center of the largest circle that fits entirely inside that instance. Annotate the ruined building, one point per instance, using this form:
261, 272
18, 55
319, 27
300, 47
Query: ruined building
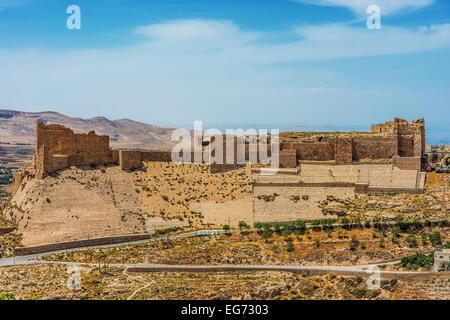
399, 142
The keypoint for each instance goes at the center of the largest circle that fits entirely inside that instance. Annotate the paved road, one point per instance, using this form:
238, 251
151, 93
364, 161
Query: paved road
30, 259
33, 259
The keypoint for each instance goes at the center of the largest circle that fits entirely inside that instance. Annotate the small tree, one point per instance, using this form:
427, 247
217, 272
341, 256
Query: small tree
243, 225
226, 228
435, 237
354, 243
258, 226
290, 246
424, 239
411, 240
266, 234
363, 244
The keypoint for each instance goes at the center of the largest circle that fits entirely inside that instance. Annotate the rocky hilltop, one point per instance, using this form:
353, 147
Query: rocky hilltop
19, 127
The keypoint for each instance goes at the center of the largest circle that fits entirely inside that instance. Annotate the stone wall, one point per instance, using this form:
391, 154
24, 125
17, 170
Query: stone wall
374, 147
344, 151
162, 156
295, 201
319, 151
22, 251
58, 147
130, 159
385, 141
288, 158
408, 163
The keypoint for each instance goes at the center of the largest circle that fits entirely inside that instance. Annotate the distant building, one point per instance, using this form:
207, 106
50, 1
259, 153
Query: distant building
441, 260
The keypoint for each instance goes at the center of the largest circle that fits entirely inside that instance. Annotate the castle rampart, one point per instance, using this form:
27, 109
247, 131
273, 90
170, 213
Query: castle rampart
403, 143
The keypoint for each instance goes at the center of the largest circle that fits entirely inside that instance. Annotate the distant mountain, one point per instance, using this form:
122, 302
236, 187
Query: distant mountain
19, 127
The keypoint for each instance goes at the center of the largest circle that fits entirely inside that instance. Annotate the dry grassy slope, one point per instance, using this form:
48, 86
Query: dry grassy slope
49, 282
78, 203
189, 191
16, 126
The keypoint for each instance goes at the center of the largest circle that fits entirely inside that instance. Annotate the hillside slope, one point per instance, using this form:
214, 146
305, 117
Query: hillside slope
85, 202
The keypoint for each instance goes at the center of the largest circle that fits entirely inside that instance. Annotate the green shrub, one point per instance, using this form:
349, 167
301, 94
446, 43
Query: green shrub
7, 296
418, 260
435, 237
424, 239
243, 225
266, 234
290, 246
354, 243
411, 240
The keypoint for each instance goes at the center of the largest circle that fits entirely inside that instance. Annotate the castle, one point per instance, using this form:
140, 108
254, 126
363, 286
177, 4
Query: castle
399, 142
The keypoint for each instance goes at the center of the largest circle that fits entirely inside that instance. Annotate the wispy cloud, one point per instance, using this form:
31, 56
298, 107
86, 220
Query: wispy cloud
315, 42
10, 3
197, 31
359, 7
184, 69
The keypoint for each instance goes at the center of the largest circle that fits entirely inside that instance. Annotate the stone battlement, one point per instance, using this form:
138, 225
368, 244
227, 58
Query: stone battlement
58, 147
398, 140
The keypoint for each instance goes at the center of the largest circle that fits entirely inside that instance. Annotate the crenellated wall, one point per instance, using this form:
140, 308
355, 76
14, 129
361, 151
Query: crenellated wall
396, 138
58, 147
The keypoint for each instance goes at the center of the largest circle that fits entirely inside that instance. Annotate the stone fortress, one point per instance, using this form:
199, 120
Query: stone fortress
314, 167
399, 143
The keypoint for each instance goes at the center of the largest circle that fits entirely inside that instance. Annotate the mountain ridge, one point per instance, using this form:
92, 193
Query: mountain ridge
19, 127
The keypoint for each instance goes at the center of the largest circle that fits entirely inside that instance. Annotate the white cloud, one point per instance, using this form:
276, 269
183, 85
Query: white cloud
194, 30
210, 69
315, 42
360, 6
10, 3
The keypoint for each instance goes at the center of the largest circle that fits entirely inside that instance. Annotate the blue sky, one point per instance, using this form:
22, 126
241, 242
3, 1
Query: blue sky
280, 62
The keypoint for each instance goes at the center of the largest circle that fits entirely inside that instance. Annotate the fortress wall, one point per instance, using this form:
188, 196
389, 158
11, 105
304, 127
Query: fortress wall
58, 147
374, 147
410, 163
165, 156
130, 159
406, 146
320, 151
61, 140
283, 208
344, 151
288, 158
59, 162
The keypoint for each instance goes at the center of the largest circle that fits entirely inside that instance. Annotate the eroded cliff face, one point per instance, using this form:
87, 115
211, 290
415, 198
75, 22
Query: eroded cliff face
85, 202
79, 204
